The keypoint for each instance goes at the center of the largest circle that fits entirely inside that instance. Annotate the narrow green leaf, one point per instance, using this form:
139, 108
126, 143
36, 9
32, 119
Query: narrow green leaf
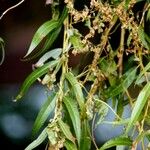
69, 145
51, 36
120, 105
148, 137
145, 69
76, 88
66, 130
142, 35
43, 114
85, 143
74, 115
50, 40
130, 77
33, 77
122, 122
63, 16
38, 141
108, 66
116, 141
55, 53
41, 33
139, 104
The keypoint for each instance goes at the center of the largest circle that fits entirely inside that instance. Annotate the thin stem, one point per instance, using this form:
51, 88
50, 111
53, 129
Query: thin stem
10, 8
3, 53
58, 109
120, 55
129, 97
92, 136
109, 108
146, 7
104, 40
123, 122
145, 114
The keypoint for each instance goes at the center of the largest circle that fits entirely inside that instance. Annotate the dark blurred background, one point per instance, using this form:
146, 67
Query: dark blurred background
17, 28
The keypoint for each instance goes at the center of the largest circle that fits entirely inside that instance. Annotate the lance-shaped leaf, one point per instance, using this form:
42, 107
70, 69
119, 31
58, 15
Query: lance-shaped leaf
130, 77
66, 130
85, 143
70, 145
55, 53
41, 33
56, 32
139, 105
116, 141
44, 113
63, 16
38, 141
51, 36
50, 40
76, 88
72, 108
33, 77
143, 72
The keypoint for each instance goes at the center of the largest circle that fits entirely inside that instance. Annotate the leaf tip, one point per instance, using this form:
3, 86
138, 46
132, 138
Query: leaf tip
19, 96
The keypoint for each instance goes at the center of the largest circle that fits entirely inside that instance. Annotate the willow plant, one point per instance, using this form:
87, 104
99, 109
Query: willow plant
112, 38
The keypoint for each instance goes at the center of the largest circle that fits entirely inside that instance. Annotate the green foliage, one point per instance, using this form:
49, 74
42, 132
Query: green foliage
66, 131
101, 110
116, 141
51, 29
125, 81
140, 103
76, 89
69, 145
33, 77
38, 141
85, 142
115, 67
44, 113
143, 37
41, 33
74, 115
